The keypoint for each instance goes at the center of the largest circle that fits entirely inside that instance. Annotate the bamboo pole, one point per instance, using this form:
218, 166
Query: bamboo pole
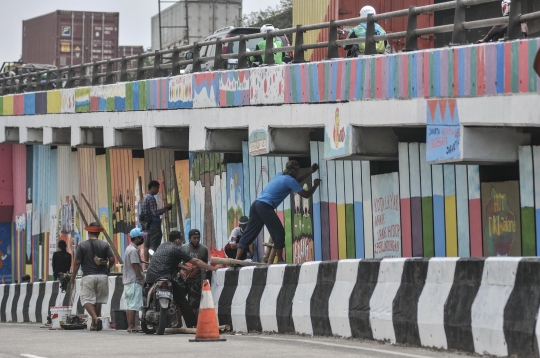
178, 203
104, 232
80, 211
222, 261
165, 203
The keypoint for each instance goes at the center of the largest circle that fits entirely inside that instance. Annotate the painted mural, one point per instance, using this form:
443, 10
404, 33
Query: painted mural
337, 138
234, 88
443, 131
235, 195
303, 248
501, 224
386, 215
82, 99
267, 85
68, 101
180, 92
206, 89
6, 257
258, 142
183, 186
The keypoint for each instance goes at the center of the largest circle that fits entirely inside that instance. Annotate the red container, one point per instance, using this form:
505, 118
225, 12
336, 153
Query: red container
67, 38
308, 12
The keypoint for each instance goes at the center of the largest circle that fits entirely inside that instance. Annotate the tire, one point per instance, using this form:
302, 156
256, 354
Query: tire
162, 321
147, 330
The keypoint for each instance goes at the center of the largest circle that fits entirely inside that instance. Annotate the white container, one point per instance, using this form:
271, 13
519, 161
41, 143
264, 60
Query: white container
104, 320
59, 314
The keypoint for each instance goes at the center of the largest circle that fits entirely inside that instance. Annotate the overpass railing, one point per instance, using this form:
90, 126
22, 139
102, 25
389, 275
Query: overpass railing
170, 61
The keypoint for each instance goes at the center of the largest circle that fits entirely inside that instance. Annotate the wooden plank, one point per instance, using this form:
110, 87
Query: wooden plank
462, 206
450, 214
475, 211
416, 200
427, 204
340, 206
317, 239
526, 183
438, 210
368, 211
349, 209
405, 199
332, 209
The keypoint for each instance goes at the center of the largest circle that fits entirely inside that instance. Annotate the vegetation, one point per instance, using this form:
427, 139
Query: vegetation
279, 16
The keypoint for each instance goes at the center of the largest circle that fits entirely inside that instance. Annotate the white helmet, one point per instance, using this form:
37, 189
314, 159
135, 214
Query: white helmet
367, 10
505, 7
267, 27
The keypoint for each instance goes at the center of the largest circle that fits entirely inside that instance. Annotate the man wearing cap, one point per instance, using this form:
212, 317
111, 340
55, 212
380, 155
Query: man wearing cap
191, 281
236, 234
165, 263
95, 258
262, 211
133, 279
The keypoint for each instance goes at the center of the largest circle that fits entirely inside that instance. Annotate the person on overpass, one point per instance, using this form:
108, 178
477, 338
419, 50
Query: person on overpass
278, 57
498, 32
360, 31
262, 210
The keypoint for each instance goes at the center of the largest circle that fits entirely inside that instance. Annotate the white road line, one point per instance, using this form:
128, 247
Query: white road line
384, 351
31, 356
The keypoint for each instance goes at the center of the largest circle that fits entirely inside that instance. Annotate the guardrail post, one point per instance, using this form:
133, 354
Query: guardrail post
15, 83
140, 66
58, 80
3, 87
95, 72
175, 70
371, 46
242, 55
411, 41
298, 42
196, 67
48, 81
219, 63
459, 36
108, 73
514, 24
268, 54
157, 62
123, 69
332, 37
70, 81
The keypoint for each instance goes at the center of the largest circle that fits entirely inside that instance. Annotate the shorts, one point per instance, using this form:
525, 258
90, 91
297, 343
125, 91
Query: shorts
133, 296
153, 239
94, 289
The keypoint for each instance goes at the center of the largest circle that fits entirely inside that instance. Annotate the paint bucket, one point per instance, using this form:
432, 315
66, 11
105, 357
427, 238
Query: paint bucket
106, 321
120, 320
59, 314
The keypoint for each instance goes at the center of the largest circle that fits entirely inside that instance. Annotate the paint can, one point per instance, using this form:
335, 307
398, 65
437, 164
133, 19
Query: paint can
59, 314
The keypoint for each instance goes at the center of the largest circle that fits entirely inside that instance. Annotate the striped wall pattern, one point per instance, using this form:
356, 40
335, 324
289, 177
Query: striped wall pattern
473, 305
474, 70
529, 175
31, 302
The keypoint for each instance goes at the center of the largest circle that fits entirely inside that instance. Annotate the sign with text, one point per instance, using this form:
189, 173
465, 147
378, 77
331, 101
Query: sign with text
443, 131
258, 142
386, 215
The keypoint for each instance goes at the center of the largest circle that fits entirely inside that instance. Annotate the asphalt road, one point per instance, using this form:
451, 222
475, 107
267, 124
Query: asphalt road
31, 341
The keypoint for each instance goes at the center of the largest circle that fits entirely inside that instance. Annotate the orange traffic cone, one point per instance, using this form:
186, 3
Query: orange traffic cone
207, 326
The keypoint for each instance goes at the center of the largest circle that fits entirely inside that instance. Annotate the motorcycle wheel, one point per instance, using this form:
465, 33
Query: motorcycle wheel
147, 330
162, 321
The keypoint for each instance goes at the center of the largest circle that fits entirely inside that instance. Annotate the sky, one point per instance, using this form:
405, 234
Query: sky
134, 18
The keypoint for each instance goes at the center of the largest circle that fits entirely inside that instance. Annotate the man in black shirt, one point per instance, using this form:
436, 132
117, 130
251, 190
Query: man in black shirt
165, 263
61, 260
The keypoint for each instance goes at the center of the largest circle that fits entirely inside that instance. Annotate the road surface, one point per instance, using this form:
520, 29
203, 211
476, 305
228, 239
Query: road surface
31, 341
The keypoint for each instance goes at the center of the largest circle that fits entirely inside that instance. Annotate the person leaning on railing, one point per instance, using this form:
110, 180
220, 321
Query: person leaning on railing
360, 31
499, 31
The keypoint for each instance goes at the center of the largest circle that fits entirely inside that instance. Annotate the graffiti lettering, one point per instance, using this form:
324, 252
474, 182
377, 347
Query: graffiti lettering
498, 225
437, 142
379, 220
389, 202
452, 148
433, 131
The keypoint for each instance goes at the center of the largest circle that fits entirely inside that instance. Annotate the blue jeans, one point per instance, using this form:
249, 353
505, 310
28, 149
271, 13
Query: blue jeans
261, 214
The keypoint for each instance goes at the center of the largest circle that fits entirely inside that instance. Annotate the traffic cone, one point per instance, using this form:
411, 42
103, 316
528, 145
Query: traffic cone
207, 326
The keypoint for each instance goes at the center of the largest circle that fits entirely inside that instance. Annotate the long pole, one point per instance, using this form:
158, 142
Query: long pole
178, 203
104, 232
166, 215
80, 211
159, 19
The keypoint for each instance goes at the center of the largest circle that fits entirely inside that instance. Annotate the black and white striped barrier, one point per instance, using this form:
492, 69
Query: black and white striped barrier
31, 302
474, 305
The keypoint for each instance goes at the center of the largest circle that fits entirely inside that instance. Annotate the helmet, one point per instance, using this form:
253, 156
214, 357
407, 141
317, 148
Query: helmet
505, 7
267, 27
367, 10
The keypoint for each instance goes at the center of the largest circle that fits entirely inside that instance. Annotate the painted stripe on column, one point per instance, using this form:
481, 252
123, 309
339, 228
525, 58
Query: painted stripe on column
320, 299
238, 305
358, 209
32, 296
450, 214
490, 61
405, 303
475, 211
340, 204
520, 312
116, 297
45, 308
285, 298
416, 200
487, 313
439, 280
536, 162
381, 302
427, 203
217, 284
457, 310
462, 211
480, 71
106, 308
317, 239
253, 301
67, 295
338, 302
301, 306
368, 219
16, 308
3, 306
332, 208
405, 202
226, 297
526, 183
325, 225
10, 315
268, 306
349, 209
42, 286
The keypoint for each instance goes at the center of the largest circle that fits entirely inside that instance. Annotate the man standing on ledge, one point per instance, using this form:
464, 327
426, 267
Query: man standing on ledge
149, 208
262, 210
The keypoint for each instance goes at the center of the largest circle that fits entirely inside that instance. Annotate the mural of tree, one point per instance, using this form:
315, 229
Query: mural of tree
204, 170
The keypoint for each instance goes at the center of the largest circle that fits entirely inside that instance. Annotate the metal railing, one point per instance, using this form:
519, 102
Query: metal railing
117, 70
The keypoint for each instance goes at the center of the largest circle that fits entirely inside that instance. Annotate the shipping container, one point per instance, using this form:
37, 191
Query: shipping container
203, 18
68, 38
307, 12
125, 51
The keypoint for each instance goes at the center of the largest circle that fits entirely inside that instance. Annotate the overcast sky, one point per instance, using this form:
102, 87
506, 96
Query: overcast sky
134, 18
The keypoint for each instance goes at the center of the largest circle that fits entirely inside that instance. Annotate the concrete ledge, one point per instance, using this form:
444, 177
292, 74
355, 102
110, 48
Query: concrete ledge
28, 135
484, 306
9, 135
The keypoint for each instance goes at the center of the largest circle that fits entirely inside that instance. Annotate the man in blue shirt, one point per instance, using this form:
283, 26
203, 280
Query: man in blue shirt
262, 210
